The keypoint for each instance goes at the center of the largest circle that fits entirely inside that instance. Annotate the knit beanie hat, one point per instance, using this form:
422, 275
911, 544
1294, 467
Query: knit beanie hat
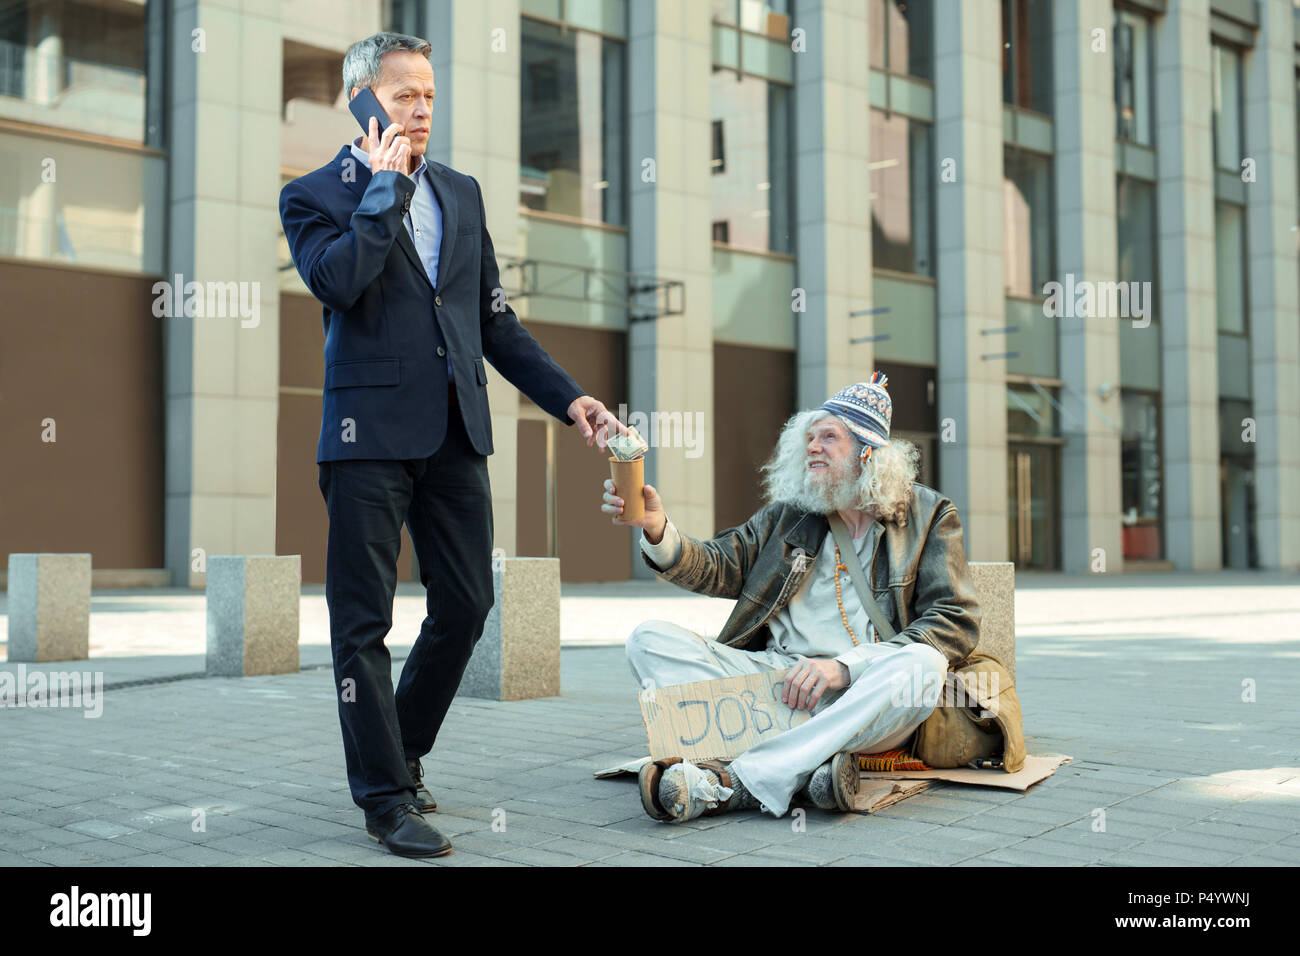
866, 410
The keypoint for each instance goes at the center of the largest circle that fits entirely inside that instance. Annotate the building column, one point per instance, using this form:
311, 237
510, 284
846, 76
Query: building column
222, 371
1189, 353
476, 84
1271, 215
670, 359
832, 206
1091, 498
972, 409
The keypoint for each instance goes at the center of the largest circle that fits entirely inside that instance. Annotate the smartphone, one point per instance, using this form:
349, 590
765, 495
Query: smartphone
365, 105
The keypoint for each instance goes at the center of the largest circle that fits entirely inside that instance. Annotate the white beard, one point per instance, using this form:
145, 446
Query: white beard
836, 490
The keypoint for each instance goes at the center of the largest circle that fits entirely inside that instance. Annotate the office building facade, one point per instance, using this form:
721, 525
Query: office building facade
1067, 231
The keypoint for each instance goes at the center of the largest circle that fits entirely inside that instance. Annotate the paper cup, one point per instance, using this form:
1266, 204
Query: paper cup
629, 479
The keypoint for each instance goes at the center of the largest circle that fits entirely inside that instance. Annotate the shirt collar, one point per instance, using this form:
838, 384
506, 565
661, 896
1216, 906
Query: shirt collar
364, 159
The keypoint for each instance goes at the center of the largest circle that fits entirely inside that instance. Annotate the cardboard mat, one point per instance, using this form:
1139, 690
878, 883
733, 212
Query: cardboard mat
1036, 768
632, 767
875, 795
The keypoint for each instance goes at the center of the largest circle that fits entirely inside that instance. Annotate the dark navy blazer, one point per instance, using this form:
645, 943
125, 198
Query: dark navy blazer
386, 327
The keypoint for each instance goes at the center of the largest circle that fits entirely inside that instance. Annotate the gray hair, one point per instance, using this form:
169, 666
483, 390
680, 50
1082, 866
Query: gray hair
882, 488
362, 64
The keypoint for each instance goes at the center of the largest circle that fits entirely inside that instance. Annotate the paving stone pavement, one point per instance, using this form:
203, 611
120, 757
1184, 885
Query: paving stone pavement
1182, 717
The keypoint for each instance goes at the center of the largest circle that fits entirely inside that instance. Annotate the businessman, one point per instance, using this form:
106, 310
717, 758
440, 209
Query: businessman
396, 249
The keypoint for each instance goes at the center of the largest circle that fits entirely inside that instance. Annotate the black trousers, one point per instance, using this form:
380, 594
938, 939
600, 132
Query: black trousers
446, 502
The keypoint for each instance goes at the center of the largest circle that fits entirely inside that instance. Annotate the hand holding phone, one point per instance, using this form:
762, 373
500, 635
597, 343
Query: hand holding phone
365, 105
388, 149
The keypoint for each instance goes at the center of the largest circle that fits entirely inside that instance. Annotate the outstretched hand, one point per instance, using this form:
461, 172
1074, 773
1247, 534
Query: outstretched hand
595, 420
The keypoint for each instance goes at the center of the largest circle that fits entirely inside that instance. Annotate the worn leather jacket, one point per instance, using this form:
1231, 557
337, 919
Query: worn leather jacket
919, 578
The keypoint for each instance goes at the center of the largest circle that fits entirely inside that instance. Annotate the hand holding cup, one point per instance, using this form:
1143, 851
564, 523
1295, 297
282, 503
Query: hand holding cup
652, 521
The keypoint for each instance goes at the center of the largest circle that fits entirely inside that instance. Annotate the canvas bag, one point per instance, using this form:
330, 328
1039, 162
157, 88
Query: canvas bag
954, 736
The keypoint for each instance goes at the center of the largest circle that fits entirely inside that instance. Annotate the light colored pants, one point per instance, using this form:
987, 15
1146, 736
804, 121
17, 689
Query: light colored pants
864, 718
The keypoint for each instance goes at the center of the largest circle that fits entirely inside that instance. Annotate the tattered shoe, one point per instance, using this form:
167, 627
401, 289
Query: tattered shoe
818, 790
688, 790
833, 785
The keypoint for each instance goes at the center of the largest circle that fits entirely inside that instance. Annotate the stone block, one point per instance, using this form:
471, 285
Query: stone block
252, 603
518, 656
49, 607
995, 587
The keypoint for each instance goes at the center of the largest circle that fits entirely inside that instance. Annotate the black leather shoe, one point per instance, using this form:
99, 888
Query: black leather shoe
406, 833
424, 801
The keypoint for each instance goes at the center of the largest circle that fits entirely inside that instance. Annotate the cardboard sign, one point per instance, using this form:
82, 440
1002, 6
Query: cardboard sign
717, 719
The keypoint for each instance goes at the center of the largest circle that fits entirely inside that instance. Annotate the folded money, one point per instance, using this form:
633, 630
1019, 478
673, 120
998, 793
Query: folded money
629, 446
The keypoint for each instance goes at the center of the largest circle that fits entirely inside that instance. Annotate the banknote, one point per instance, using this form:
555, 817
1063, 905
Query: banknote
629, 446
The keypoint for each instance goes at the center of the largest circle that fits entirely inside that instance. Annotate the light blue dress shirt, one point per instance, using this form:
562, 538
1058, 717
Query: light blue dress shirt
423, 222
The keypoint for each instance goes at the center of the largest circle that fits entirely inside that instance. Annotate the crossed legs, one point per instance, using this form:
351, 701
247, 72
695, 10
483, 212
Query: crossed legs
865, 717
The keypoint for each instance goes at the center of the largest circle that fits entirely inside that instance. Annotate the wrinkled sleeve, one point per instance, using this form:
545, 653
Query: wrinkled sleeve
717, 567
857, 660
948, 613
668, 550
338, 266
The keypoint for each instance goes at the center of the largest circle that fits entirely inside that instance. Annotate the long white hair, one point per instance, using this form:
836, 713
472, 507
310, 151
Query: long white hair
883, 487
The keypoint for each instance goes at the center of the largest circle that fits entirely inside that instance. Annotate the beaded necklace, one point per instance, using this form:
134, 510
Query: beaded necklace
839, 596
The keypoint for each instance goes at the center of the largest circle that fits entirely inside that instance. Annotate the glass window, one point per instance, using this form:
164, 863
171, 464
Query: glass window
1027, 54
1137, 238
315, 120
754, 16
752, 189
1029, 255
1230, 266
572, 148
103, 207
1232, 413
1226, 82
1141, 455
1140, 478
312, 73
726, 11
404, 16
74, 65
1033, 508
1133, 77
902, 194
1238, 505
899, 34
1029, 412
877, 47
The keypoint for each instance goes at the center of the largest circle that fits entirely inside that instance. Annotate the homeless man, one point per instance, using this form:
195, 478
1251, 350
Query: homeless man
797, 608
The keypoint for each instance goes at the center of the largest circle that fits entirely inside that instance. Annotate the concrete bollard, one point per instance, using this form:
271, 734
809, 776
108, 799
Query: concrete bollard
995, 587
252, 603
518, 656
49, 607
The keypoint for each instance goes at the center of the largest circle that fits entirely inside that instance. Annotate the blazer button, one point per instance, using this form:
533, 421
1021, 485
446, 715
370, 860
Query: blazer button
437, 300
441, 351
